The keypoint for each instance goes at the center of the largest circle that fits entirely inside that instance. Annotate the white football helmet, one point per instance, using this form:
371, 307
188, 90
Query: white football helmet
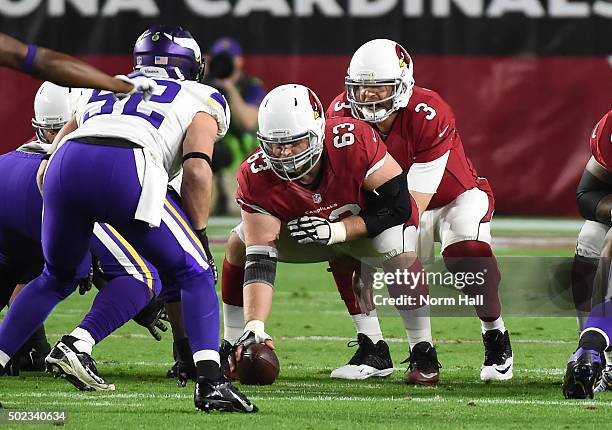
287, 114
53, 107
376, 63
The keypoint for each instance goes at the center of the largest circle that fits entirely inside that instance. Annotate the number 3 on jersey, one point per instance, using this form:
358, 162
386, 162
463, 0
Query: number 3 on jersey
343, 138
131, 104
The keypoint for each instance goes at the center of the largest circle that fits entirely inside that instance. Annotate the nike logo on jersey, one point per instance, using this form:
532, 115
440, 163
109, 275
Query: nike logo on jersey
443, 131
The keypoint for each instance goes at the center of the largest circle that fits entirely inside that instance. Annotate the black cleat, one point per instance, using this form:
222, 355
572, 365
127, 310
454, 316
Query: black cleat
424, 367
498, 363
369, 360
78, 368
221, 396
582, 373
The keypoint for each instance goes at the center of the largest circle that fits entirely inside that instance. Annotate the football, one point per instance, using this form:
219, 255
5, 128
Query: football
259, 365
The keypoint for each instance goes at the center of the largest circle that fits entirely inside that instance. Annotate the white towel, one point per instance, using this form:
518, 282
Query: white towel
154, 181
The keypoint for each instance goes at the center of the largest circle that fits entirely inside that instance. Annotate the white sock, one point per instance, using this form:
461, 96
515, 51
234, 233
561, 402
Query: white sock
4, 358
233, 322
85, 341
368, 325
206, 354
418, 325
498, 324
581, 318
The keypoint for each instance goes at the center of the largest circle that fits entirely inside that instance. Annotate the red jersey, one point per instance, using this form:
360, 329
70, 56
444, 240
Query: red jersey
351, 151
424, 131
601, 141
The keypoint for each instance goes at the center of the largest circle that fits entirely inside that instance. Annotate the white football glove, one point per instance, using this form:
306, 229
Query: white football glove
313, 229
141, 84
253, 333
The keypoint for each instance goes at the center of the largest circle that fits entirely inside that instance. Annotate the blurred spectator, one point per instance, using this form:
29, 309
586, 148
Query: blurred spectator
244, 94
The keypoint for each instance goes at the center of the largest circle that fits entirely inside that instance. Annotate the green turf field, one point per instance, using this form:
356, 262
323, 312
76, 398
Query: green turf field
311, 331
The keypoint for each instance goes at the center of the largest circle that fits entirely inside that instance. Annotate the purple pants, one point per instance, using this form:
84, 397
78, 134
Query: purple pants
85, 184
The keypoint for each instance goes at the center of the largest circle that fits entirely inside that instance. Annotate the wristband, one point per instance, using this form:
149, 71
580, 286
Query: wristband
337, 232
28, 63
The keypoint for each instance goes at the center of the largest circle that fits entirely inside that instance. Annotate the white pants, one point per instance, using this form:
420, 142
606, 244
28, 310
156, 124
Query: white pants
591, 239
462, 219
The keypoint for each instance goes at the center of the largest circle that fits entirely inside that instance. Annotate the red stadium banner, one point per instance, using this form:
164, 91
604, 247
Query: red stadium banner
527, 79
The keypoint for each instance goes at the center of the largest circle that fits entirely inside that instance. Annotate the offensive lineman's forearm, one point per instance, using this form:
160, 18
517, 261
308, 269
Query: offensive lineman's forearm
355, 227
196, 191
257, 301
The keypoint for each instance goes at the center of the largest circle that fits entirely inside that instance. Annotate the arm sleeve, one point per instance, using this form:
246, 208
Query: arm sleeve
426, 177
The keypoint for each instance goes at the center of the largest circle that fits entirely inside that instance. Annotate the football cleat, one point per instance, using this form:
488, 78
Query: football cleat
424, 367
220, 395
225, 351
369, 360
606, 380
498, 363
78, 368
582, 373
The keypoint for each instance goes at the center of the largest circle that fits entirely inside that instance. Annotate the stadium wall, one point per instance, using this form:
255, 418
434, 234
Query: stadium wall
527, 80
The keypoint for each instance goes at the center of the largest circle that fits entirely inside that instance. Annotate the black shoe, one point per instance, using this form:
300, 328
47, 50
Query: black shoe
498, 363
582, 374
184, 368
369, 360
220, 395
78, 368
31, 356
424, 367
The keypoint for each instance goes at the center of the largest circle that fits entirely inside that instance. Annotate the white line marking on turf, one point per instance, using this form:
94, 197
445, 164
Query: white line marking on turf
346, 339
315, 398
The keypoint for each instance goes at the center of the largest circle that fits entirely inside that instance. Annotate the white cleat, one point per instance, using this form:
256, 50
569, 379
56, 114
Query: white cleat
76, 367
363, 371
498, 364
368, 361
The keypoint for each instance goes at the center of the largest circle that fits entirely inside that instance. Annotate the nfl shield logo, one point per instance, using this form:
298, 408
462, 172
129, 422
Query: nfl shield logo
316, 198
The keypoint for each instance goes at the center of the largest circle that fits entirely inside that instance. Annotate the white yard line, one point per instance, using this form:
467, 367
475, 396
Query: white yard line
85, 399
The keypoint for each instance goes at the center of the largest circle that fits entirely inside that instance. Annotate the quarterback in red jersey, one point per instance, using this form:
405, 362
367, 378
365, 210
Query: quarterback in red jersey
455, 205
317, 191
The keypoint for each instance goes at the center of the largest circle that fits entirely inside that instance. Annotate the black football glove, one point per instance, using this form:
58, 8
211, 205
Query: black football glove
151, 316
204, 240
95, 277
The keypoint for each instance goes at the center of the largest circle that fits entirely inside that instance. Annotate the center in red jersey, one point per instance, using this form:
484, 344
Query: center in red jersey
352, 150
422, 132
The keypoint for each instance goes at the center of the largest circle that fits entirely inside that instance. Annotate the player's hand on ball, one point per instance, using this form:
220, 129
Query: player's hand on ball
248, 337
313, 229
141, 84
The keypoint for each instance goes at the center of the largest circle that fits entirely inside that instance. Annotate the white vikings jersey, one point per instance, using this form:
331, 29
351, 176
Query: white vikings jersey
158, 124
